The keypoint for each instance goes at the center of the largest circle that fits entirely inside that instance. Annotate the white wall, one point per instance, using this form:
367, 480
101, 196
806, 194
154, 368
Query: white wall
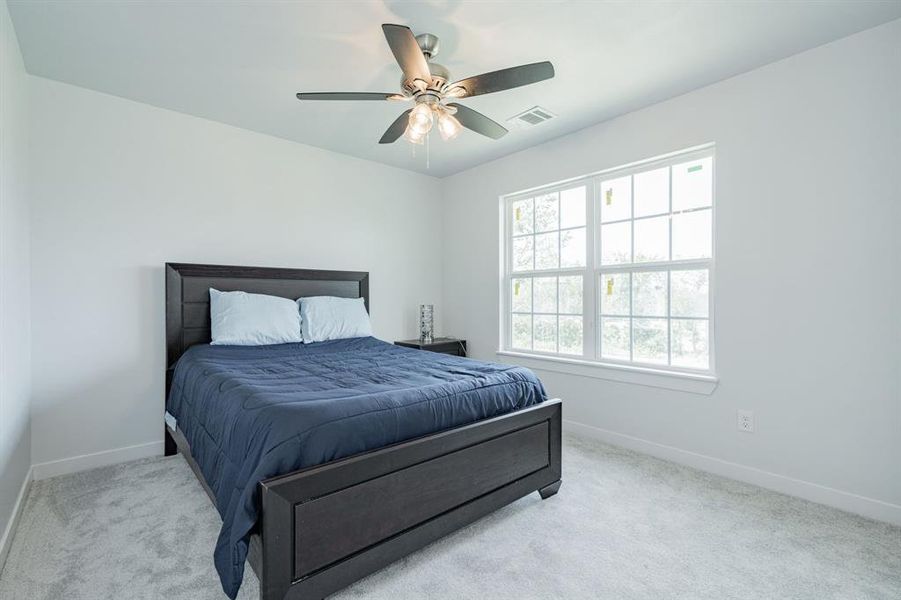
120, 187
15, 445
808, 285
807, 206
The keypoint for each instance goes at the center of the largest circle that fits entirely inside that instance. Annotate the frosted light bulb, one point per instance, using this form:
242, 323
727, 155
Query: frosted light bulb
421, 119
448, 126
412, 136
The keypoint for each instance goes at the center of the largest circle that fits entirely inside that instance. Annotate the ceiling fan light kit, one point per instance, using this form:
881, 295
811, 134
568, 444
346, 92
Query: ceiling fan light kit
426, 83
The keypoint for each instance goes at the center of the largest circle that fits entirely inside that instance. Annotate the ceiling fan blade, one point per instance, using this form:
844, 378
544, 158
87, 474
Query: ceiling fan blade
344, 96
478, 122
396, 129
407, 53
505, 79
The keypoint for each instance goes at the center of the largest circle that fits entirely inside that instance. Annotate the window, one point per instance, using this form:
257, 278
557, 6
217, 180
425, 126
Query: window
615, 267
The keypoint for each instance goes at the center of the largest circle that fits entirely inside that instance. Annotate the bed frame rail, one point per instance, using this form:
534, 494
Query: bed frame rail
325, 527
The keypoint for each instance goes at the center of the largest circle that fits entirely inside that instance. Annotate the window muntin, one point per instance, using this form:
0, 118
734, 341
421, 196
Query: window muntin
656, 317
547, 314
638, 243
548, 230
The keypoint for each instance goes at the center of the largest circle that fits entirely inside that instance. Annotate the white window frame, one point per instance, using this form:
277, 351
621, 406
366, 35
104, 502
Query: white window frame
590, 361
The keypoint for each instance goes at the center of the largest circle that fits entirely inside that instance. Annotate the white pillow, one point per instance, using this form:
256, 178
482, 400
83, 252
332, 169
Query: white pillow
331, 318
242, 319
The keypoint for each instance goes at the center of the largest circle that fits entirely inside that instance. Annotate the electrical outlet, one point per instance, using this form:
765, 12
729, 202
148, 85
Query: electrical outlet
745, 421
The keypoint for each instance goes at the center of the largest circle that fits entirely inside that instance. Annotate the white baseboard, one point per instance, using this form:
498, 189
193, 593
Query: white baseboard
84, 462
7, 539
861, 505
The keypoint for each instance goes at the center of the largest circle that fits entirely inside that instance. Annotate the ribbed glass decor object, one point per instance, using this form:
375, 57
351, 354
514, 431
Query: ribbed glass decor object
426, 322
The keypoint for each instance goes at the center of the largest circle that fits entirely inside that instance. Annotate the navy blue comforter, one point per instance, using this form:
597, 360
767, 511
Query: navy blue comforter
255, 412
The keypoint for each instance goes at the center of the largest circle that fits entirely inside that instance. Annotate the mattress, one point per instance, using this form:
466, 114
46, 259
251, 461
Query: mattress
253, 412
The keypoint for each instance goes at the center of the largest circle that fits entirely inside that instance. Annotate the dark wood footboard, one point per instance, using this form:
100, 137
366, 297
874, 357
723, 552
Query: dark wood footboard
325, 527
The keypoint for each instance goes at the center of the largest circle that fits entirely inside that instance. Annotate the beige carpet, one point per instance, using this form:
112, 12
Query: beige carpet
624, 526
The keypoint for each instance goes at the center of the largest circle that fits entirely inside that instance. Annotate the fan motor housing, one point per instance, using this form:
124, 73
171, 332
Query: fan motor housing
440, 77
429, 44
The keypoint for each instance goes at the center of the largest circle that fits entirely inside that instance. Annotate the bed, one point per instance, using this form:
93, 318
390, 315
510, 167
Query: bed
329, 461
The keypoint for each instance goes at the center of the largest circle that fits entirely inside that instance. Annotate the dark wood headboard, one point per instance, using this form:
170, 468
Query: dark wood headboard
188, 300
188, 295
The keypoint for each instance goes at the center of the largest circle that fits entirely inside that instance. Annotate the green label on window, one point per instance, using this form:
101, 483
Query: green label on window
695, 168
609, 195
516, 289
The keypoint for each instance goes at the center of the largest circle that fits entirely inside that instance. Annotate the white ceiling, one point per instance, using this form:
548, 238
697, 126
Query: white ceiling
242, 62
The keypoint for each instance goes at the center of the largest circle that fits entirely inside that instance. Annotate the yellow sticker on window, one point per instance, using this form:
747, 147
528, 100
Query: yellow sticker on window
516, 289
610, 286
609, 196
518, 213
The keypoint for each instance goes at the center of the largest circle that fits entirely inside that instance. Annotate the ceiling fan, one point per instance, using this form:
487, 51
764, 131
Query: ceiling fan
428, 85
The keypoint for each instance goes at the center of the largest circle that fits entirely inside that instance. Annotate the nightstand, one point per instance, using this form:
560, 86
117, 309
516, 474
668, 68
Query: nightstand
443, 345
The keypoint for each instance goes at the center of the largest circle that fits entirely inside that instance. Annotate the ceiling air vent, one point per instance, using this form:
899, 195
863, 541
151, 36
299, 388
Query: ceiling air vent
533, 116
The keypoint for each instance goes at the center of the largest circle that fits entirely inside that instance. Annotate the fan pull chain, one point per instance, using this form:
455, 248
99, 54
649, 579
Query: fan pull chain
428, 137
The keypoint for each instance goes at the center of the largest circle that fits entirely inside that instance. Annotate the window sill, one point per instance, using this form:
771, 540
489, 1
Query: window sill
670, 380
